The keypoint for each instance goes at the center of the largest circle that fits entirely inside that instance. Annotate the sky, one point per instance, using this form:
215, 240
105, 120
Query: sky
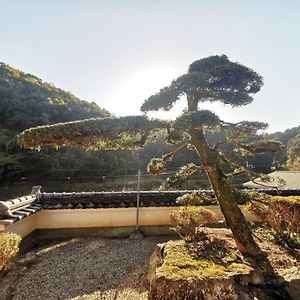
118, 53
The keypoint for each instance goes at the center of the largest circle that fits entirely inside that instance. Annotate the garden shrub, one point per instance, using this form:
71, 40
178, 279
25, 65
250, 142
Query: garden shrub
194, 198
280, 213
188, 219
284, 214
9, 247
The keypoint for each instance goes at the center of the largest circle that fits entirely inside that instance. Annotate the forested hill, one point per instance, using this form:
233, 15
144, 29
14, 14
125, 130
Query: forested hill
291, 139
27, 101
285, 158
286, 135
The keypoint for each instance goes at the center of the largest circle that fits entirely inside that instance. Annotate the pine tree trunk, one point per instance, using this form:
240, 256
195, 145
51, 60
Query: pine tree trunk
234, 218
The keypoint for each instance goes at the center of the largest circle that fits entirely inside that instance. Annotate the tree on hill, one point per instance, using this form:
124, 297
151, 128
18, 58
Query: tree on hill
212, 79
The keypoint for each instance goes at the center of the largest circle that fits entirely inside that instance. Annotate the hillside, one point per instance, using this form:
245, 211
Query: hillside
290, 138
26, 101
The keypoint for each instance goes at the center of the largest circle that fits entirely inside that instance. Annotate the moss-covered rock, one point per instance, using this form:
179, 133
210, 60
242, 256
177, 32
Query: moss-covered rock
180, 270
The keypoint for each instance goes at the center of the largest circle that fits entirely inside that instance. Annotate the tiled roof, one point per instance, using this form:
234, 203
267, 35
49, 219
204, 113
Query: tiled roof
110, 199
19, 208
291, 178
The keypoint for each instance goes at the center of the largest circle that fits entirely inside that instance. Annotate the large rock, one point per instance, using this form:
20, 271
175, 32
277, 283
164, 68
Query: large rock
207, 289
165, 285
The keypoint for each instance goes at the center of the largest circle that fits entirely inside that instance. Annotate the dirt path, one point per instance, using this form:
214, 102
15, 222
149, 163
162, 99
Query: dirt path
87, 268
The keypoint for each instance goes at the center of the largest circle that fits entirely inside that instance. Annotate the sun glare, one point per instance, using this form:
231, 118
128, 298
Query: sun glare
130, 95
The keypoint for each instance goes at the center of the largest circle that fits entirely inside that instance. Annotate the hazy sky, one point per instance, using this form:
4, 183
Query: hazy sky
117, 53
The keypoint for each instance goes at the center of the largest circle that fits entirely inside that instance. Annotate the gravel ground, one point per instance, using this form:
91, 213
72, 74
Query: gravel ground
88, 268
105, 269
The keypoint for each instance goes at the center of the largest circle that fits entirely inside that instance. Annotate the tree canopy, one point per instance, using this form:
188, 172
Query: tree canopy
99, 133
214, 78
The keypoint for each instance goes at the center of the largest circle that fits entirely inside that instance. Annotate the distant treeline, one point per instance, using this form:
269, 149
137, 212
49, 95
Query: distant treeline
27, 101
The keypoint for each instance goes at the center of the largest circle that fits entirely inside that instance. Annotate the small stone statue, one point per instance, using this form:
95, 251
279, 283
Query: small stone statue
36, 190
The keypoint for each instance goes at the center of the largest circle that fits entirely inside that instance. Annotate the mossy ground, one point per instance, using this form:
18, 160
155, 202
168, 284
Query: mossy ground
207, 258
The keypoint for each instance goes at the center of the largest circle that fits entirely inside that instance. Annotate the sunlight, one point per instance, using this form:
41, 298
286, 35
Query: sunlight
130, 95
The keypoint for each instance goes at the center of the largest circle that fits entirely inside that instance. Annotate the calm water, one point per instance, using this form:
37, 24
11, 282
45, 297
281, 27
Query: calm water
9, 190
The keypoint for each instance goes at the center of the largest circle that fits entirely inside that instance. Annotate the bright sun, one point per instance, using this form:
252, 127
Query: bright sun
139, 87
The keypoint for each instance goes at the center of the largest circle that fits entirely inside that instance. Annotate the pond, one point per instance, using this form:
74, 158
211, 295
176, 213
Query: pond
9, 190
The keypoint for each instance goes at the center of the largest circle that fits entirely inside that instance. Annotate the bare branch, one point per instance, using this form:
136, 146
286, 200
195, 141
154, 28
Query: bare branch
157, 164
228, 161
179, 179
179, 146
260, 183
268, 146
236, 173
217, 145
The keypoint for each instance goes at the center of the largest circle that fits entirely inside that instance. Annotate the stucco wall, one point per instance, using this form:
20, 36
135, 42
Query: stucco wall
23, 227
95, 218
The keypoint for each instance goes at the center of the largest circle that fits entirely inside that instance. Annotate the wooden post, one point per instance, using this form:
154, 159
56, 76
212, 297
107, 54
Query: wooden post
138, 199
